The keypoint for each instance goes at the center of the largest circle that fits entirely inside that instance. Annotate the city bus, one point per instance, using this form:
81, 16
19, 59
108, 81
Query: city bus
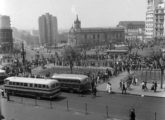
34, 87
3, 75
73, 82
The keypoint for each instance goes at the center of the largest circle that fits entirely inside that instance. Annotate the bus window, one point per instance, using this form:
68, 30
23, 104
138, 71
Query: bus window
44, 86
53, 86
39, 85
25, 84
17, 83
31, 85
6, 81
10, 83
57, 84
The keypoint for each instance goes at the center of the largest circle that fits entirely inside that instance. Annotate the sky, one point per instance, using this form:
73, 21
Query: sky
92, 13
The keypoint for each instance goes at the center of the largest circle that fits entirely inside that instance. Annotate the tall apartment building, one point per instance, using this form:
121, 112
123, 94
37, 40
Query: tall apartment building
159, 21
6, 38
154, 19
48, 30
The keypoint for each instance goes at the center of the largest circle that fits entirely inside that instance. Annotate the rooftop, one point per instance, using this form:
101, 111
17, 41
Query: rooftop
126, 23
99, 29
31, 80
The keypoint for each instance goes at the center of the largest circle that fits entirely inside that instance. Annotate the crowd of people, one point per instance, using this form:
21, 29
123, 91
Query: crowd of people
130, 62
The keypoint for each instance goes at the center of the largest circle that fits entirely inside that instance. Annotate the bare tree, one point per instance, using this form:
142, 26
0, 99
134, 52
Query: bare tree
71, 55
129, 44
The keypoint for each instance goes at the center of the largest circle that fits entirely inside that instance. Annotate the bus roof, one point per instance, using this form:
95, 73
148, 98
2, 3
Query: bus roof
31, 80
70, 76
2, 71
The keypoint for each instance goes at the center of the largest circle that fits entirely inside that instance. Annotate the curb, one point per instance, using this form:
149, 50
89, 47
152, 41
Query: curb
133, 94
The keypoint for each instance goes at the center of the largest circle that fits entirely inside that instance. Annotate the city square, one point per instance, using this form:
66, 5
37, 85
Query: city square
75, 61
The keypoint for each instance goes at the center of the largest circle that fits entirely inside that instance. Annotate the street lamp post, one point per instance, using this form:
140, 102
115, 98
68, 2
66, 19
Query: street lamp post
1, 116
23, 54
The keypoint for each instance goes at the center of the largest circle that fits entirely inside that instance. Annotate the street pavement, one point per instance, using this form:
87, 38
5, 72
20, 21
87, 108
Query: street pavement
118, 107
134, 89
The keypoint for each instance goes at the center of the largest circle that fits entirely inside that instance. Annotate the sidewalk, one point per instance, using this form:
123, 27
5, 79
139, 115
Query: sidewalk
135, 90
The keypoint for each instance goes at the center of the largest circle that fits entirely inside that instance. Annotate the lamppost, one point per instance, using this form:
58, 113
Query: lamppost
1, 116
23, 54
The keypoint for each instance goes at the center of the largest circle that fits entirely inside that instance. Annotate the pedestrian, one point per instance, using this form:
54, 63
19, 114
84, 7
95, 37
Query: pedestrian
124, 88
109, 87
133, 80
143, 85
98, 79
136, 81
132, 114
155, 86
94, 91
2, 93
92, 84
121, 84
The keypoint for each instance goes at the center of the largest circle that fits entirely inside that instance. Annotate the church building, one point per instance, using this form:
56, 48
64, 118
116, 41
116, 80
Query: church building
94, 37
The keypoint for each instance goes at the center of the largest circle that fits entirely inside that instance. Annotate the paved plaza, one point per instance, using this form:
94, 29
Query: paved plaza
134, 89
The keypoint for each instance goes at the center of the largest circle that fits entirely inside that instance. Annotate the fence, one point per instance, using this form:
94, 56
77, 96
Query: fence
148, 75
67, 106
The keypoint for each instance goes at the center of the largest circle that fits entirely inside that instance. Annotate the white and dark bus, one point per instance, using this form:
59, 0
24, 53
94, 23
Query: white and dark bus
3, 75
73, 82
35, 87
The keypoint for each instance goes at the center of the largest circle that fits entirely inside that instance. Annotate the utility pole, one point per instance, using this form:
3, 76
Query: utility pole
1, 116
23, 54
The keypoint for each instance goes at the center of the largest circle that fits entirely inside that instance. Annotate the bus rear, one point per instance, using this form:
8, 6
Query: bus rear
73, 82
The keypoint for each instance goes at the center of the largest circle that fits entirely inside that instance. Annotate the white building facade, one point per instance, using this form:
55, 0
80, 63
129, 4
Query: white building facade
154, 25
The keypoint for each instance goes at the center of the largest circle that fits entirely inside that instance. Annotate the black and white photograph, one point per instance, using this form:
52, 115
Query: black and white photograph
82, 59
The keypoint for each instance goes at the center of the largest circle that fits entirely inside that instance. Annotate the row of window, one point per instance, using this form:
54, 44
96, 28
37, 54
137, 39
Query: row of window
149, 30
29, 85
149, 18
68, 80
159, 11
149, 13
149, 26
149, 22
98, 36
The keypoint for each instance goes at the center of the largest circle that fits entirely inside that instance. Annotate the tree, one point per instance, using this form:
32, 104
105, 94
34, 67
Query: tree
129, 44
71, 55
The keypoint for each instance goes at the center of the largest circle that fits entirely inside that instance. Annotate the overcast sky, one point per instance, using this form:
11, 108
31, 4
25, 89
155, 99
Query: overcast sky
92, 13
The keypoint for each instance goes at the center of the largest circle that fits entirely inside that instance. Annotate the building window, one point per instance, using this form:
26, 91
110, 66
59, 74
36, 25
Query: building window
98, 36
85, 36
93, 36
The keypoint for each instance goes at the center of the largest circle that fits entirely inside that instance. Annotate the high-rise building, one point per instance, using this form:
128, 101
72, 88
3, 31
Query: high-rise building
6, 38
154, 25
159, 21
48, 30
